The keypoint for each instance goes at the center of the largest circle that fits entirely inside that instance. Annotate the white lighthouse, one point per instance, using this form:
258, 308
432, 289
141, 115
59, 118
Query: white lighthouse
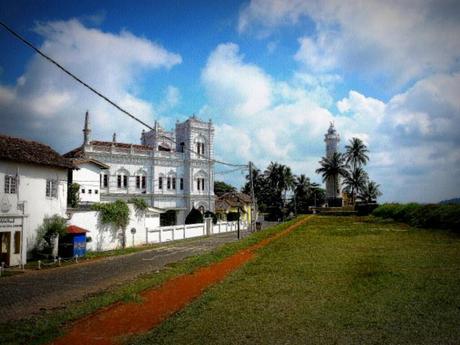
332, 138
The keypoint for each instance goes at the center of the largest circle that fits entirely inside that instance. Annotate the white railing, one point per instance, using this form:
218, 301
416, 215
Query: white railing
180, 232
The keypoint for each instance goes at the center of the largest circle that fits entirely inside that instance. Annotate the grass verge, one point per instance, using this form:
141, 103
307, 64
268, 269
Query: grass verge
335, 280
49, 325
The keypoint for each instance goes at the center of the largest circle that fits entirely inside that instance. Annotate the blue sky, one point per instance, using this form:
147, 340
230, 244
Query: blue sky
270, 74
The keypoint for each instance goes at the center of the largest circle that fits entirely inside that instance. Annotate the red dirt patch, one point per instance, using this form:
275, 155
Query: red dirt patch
121, 319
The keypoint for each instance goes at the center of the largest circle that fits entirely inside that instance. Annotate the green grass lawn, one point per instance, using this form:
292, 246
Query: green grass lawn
335, 280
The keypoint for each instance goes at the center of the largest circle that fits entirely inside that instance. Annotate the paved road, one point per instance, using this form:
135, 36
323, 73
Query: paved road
23, 295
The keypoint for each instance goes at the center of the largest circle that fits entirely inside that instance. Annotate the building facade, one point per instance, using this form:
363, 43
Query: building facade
171, 170
332, 139
33, 185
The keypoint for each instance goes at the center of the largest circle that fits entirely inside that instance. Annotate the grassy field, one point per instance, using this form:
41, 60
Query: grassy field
335, 280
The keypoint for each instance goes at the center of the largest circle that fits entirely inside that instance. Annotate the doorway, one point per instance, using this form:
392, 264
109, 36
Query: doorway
5, 247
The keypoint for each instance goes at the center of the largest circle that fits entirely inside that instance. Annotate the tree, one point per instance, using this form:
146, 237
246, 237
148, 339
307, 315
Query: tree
331, 168
49, 232
302, 191
194, 217
221, 188
356, 153
72, 195
354, 181
370, 192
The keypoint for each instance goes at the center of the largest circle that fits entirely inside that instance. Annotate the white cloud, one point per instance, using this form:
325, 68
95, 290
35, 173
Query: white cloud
240, 88
44, 100
412, 137
390, 40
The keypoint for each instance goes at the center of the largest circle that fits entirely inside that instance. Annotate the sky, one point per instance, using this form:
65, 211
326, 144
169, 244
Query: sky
270, 74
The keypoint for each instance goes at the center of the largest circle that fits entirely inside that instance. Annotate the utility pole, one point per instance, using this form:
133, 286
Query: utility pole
253, 211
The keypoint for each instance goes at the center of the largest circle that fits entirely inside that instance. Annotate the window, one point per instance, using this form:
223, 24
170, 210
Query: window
82, 191
96, 191
51, 188
200, 183
160, 182
181, 184
168, 183
173, 183
202, 148
17, 242
122, 181
143, 182
89, 191
125, 181
119, 181
10, 184
104, 180
198, 148
138, 182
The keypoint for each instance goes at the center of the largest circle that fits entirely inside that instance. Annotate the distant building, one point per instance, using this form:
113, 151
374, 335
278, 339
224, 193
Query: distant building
230, 203
173, 170
332, 139
33, 185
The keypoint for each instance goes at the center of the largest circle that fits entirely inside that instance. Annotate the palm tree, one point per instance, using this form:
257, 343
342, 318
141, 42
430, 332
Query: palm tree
355, 181
302, 191
356, 153
370, 192
331, 168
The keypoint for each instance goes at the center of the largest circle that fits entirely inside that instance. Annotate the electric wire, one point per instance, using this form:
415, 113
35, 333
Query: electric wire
38, 51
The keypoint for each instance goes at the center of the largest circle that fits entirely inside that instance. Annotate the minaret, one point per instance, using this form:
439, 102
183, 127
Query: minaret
86, 131
332, 138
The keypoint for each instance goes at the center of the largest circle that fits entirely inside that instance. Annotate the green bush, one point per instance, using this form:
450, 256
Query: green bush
208, 214
422, 216
232, 216
194, 217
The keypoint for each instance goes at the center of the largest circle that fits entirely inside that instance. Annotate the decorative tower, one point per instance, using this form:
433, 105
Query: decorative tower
332, 138
86, 131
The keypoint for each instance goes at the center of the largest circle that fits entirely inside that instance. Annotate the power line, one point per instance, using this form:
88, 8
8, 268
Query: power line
30, 45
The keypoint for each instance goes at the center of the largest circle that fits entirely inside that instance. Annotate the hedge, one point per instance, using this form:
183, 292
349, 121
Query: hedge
435, 216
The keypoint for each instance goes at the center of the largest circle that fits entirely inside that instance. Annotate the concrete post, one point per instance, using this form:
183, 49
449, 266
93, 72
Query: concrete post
208, 226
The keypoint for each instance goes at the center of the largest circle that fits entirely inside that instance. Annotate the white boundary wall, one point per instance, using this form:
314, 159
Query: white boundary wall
180, 232
147, 230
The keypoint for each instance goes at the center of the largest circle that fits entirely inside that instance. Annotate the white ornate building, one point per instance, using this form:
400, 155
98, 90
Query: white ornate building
172, 170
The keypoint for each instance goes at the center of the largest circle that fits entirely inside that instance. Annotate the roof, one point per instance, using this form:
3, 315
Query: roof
73, 229
90, 160
232, 199
27, 151
79, 153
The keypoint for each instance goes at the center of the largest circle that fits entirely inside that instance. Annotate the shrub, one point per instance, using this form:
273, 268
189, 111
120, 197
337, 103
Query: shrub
194, 217
208, 214
72, 195
114, 213
51, 228
422, 216
232, 216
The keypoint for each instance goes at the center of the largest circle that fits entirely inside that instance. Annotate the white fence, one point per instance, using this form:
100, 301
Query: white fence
179, 232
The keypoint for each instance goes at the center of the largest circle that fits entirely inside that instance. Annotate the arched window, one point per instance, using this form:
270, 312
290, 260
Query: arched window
200, 179
200, 145
141, 179
122, 178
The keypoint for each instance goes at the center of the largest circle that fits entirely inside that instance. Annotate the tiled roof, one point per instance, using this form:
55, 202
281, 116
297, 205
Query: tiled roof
121, 145
232, 199
78, 162
78, 152
27, 151
73, 229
